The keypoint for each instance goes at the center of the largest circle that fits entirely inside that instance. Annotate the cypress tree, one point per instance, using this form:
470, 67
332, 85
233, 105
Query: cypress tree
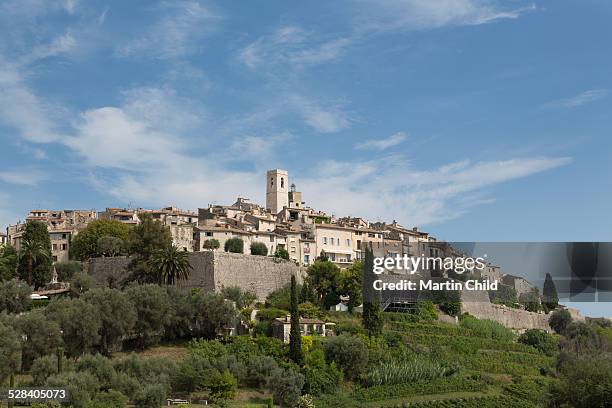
549, 293
372, 315
295, 337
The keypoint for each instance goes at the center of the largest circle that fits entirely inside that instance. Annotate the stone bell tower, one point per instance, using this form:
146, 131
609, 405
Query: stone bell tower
277, 190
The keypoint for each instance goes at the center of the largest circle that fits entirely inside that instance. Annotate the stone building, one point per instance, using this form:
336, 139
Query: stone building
520, 284
3, 238
281, 328
63, 225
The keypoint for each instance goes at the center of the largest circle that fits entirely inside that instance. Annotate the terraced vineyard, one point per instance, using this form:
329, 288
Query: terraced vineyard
490, 370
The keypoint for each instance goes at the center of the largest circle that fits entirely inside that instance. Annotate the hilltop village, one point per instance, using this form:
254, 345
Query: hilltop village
286, 223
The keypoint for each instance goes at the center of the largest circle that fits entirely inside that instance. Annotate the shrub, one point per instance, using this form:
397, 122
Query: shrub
286, 386
211, 244
150, 396
259, 370
259, 248
80, 387
559, 320
540, 340
281, 253
349, 353
66, 270
402, 371
43, 368
14, 296
585, 383
109, 399
451, 308
235, 245
221, 386
487, 328
427, 311
305, 401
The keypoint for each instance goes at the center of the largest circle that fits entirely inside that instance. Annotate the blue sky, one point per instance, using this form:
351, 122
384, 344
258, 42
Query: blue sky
474, 119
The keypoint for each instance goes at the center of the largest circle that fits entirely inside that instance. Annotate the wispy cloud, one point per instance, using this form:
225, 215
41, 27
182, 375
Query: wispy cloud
390, 15
294, 46
179, 33
24, 177
382, 144
578, 100
324, 118
393, 188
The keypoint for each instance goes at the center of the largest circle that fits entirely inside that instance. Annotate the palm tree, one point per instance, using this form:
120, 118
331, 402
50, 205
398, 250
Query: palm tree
171, 264
33, 251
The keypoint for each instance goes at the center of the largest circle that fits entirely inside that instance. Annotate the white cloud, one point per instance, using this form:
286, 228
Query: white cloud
294, 46
22, 177
389, 15
579, 100
324, 118
392, 190
22, 110
382, 144
179, 33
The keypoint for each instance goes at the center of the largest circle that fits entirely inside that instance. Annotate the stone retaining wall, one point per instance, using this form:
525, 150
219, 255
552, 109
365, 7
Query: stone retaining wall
214, 270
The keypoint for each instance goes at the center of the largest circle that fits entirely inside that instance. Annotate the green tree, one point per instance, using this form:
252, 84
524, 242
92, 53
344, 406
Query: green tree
559, 320
39, 336
9, 260
153, 307
504, 294
144, 241
80, 324
259, 248
171, 265
10, 352
66, 270
241, 298
349, 353
372, 315
295, 337
210, 244
43, 368
14, 296
109, 245
531, 301
212, 314
81, 283
286, 386
221, 386
281, 253
235, 245
324, 278
116, 313
35, 254
351, 284
584, 383
549, 293
85, 244
540, 340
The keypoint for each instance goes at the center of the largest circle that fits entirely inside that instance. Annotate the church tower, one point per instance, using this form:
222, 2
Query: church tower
277, 190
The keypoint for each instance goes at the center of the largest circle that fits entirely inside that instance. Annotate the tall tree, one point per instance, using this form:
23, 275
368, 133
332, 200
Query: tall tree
144, 241
351, 283
9, 259
324, 278
35, 254
80, 323
295, 337
86, 244
116, 313
372, 314
10, 352
170, 265
549, 293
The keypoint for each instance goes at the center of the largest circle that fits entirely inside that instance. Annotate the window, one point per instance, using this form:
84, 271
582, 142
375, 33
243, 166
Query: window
359, 244
271, 238
54, 247
325, 240
63, 236
348, 242
208, 234
282, 182
271, 181
63, 247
